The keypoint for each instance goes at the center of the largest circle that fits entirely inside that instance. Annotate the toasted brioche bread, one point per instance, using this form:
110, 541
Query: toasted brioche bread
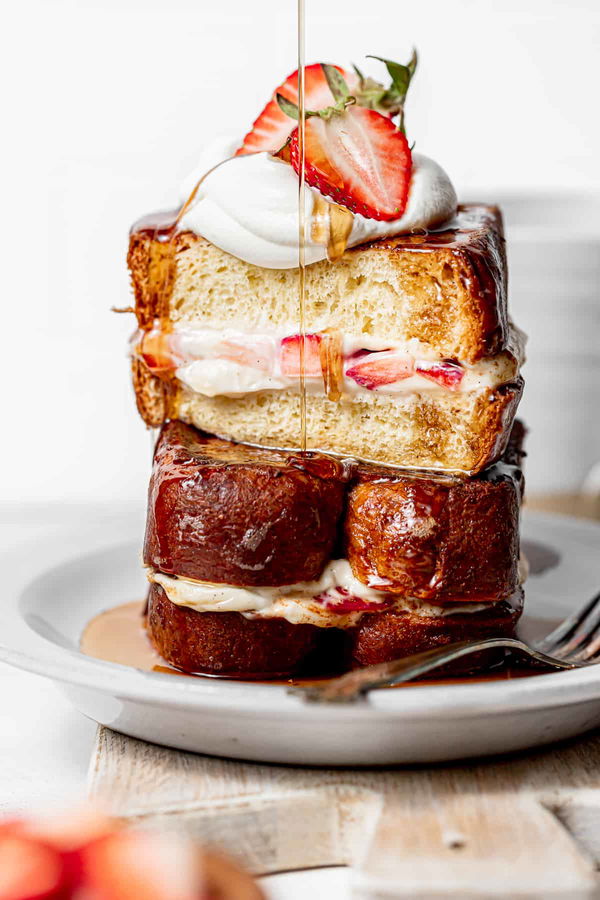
447, 289
230, 514
231, 644
227, 513
445, 432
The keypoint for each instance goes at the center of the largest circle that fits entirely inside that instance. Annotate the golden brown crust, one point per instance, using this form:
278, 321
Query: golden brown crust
226, 643
460, 433
473, 249
435, 542
438, 539
231, 514
151, 394
380, 637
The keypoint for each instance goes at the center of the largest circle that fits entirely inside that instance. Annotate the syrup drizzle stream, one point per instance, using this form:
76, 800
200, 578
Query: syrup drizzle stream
302, 220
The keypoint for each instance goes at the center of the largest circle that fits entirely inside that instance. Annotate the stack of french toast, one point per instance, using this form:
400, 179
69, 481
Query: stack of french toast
389, 524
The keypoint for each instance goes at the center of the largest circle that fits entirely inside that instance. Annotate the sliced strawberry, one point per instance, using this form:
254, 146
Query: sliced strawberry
290, 355
358, 158
256, 354
30, 870
340, 600
272, 128
380, 368
448, 375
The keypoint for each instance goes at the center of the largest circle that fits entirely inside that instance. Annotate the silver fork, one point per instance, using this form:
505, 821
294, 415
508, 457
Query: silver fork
573, 644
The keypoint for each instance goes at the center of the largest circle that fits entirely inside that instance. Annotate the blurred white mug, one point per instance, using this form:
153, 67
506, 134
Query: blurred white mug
554, 296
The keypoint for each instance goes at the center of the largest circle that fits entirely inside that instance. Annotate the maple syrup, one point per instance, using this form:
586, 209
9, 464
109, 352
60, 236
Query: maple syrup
119, 636
332, 363
302, 218
330, 226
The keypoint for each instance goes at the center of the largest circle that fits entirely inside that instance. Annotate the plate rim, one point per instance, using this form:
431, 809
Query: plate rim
70, 667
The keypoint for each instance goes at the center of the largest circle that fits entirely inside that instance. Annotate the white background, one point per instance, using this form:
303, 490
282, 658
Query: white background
107, 104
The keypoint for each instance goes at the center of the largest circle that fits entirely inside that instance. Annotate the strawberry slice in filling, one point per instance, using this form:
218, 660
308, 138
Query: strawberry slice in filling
446, 374
290, 358
256, 354
380, 368
341, 600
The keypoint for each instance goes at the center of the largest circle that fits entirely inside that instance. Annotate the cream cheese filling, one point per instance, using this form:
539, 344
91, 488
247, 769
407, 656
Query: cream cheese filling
230, 362
337, 599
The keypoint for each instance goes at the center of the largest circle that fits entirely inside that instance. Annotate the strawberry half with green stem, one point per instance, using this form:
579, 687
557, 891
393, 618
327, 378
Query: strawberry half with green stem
272, 128
355, 156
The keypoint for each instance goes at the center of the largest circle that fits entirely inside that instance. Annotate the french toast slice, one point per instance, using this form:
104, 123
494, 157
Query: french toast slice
442, 555
230, 514
227, 513
441, 296
231, 644
381, 637
225, 643
438, 539
452, 433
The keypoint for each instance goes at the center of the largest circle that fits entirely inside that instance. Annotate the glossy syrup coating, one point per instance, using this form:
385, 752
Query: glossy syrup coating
438, 539
226, 643
240, 515
389, 635
435, 542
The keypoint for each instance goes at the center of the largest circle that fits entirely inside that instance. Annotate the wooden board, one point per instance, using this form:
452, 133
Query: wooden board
528, 826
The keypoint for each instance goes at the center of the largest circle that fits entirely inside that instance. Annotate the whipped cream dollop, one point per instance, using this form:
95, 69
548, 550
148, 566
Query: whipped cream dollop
248, 206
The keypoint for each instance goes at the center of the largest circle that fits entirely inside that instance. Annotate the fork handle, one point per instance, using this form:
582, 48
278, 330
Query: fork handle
352, 685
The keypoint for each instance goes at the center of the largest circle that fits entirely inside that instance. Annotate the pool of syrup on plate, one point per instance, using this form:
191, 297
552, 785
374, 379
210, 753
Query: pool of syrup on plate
119, 636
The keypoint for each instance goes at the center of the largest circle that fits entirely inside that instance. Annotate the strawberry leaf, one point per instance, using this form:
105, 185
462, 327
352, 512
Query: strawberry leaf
286, 106
336, 81
401, 77
361, 77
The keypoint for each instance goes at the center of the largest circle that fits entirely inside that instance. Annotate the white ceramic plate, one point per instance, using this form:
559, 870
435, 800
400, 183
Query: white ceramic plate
52, 588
